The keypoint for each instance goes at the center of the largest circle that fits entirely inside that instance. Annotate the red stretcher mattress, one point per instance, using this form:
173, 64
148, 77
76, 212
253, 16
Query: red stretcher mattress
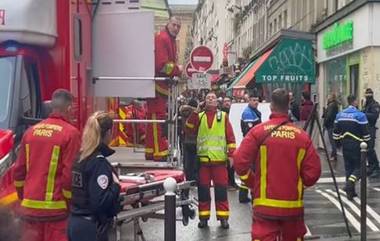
151, 180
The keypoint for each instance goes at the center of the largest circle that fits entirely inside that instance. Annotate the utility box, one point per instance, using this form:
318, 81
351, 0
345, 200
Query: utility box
123, 52
31, 22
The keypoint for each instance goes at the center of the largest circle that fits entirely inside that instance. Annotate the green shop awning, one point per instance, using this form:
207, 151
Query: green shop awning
290, 61
159, 7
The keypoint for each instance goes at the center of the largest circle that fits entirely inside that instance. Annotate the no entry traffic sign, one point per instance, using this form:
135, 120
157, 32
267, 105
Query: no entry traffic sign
189, 70
201, 58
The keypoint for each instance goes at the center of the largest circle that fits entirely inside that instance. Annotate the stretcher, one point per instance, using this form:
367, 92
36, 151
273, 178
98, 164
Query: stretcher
142, 197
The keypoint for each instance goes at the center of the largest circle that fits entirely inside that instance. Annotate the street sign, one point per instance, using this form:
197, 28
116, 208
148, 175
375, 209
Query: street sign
189, 70
201, 58
199, 81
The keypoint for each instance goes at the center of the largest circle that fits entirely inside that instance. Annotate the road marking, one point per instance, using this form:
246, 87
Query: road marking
354, 208
308, 233
376, 189
330, 180
372, 212
350, 217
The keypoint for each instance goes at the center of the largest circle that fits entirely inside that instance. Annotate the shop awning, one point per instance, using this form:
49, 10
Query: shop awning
159, 7
249, 72
290, 61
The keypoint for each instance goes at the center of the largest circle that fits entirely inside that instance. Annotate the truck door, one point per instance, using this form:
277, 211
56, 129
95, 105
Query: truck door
26, 104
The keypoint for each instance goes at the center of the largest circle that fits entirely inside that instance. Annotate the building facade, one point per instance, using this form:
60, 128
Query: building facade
348, 49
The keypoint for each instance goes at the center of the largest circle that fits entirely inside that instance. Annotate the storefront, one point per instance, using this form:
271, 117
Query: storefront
348, 52
288, 64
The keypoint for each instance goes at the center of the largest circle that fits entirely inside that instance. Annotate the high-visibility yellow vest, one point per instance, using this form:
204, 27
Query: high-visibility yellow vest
211, 142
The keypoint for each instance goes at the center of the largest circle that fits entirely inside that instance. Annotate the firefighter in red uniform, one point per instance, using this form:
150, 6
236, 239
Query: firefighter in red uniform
42, 173
135, 131
277, 160
215, 144
156, 145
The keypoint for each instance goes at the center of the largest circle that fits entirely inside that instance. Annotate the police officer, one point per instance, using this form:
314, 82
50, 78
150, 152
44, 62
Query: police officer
372, 110
95, 186
351, 128
250, 117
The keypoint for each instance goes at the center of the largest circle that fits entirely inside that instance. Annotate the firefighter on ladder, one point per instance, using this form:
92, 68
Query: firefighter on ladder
277, 160
156, 145
42, 172
215, 144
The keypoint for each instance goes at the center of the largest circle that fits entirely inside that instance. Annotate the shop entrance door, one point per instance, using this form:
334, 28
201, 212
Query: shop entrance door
354, 79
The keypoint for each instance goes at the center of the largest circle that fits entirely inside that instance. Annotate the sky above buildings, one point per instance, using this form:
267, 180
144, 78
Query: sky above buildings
183, 1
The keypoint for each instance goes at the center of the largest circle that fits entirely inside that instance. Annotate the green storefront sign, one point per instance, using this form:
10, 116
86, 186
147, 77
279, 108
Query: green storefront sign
340, 34
291, 61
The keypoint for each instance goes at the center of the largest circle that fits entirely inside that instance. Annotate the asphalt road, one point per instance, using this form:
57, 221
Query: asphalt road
322, 216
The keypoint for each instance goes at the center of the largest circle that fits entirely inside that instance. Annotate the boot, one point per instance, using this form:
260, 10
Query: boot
203, 223
224, 223
243, 196
350, 190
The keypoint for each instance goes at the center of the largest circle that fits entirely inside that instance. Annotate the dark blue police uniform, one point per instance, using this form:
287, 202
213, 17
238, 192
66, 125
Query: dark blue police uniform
351, 128
95, 197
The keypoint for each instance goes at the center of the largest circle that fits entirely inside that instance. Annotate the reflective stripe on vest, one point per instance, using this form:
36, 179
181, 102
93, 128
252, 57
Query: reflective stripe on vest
27, 151
268, 202
48, 203
211, 142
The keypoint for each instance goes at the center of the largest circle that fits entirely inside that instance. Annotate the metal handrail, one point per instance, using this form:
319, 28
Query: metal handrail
138, 121
131, 78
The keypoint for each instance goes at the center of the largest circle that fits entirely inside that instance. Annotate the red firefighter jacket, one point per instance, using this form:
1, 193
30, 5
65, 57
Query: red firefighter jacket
165, 59
284, 163
43, 169
192, 125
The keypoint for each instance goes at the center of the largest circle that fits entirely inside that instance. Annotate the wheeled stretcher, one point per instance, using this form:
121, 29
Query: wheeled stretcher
142, 194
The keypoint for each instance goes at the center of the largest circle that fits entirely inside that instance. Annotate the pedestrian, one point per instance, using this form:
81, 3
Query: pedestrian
351, 128
251, 117
277, 160
156, 144
215, 144
226, 107
306, 106
43, 172
189, 141
294, 110
95, 185
371, 110
329, 116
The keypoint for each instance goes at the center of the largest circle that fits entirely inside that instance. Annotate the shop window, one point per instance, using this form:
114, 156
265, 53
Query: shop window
354, 79
335, 75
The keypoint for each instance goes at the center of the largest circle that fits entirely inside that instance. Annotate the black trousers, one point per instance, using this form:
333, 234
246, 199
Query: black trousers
373, 162
190, 160
81, 228
351, 155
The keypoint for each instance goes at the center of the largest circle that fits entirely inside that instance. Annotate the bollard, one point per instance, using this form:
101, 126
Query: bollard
170, 186
363, 192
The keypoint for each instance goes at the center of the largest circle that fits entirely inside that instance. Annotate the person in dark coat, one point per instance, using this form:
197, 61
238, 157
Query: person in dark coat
95, 185
371, 110
329, 116
294, 110
306, 106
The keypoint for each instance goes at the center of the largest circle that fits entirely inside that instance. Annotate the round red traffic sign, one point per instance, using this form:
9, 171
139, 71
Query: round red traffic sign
201, 58
189, 70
